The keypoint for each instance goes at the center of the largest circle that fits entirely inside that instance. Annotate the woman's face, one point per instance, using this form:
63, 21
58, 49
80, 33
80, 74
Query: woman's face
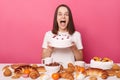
63, 18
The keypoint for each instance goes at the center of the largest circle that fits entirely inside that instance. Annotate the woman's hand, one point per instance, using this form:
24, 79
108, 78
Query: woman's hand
50, 48
73, 47
46, 52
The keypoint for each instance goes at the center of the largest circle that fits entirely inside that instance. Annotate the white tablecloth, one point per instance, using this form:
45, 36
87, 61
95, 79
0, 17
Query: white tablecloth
2, 77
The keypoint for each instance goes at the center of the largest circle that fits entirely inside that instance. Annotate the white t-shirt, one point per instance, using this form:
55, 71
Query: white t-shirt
63, 55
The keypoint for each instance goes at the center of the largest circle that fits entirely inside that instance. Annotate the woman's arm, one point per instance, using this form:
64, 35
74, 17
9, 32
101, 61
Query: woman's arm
78, 54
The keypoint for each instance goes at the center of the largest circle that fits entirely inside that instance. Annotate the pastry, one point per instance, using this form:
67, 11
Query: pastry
106, 59
70, 68
26, 70
101, 63
14, 66
93, 78
116, 67
67, 75
96, 58
34, 74
111, 72
96, 72
79, 69
34, 65
6, 71
118, 74
41, 69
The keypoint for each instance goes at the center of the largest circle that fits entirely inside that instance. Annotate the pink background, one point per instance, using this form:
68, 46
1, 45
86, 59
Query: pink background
23, 24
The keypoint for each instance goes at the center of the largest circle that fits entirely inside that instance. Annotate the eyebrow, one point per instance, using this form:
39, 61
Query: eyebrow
61, 12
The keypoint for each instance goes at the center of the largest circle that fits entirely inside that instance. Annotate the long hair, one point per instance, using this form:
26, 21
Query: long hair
70, 26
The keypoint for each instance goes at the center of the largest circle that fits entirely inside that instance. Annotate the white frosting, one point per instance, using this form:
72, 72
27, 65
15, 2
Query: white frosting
101, 65
61, 41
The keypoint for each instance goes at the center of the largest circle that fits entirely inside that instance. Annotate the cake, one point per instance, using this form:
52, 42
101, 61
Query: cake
101, 63
61, 41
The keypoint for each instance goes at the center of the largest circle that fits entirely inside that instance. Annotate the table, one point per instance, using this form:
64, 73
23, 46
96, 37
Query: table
9, 78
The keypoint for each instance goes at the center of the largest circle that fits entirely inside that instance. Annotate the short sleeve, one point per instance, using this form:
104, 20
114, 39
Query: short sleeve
78, 40
45, 40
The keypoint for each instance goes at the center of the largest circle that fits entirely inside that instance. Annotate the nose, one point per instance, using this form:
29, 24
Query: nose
63, 16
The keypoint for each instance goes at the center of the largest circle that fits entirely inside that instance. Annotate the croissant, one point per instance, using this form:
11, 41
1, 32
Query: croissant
26, 69
34, 75
96, 72
67, 75
111, 72
69, 70
116, 67
15, 76
118, 74
70, 65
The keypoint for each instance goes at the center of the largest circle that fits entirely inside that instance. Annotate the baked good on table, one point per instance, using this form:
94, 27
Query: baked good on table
96, 72
118, 74
14, 66
34, 74
18, 70
67, 75
111, 72
6, 71
116, 67
93, 78
41, 69
102, 63
72, 72
61, 41
96, 58
27, 70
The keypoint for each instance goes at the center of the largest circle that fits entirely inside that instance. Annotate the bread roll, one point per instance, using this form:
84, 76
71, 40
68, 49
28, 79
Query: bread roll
41, 69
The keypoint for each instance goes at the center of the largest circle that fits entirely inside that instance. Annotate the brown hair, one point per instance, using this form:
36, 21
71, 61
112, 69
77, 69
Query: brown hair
70, 26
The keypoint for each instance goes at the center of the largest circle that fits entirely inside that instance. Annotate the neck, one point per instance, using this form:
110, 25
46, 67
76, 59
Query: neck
65, 30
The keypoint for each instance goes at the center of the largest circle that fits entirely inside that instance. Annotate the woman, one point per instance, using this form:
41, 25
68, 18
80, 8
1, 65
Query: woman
63, 24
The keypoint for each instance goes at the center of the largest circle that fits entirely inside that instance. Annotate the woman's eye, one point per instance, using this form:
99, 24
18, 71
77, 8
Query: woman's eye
66, 14
60, 14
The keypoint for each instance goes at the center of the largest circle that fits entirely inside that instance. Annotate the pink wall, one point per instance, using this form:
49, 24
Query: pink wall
23, 24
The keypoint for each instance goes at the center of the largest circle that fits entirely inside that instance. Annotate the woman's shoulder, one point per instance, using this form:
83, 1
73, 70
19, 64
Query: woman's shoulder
49, 33
76, 33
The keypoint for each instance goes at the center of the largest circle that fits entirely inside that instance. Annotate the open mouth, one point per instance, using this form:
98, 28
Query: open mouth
62, 21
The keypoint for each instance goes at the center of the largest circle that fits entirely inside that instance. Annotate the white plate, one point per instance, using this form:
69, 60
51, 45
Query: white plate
56, 46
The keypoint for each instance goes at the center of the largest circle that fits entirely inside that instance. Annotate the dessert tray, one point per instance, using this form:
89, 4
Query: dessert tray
45, 76
56, 71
